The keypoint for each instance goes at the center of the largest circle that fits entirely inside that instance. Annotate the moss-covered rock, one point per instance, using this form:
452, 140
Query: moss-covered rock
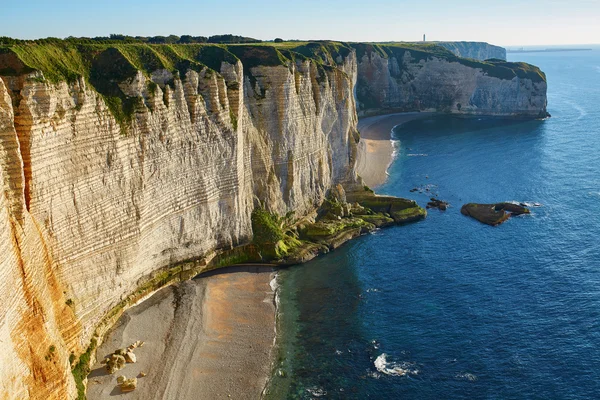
269, 237
378, 219
322, 229
401, 210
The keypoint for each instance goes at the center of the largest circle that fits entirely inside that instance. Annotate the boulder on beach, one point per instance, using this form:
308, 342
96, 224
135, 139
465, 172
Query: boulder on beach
114, 362
492, 214
130, 357
127, 385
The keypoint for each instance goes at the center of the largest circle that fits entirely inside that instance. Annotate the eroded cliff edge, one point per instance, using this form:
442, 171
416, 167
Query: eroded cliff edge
398, 78
126, 167
476, 50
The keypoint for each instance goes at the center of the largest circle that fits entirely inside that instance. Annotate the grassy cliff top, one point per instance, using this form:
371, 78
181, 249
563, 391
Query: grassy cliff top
105, 65
61, 60
65, 60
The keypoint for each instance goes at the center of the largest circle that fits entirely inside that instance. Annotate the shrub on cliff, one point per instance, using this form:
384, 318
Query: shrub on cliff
269, 235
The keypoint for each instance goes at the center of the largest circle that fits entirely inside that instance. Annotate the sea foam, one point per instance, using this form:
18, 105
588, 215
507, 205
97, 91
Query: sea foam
391, 368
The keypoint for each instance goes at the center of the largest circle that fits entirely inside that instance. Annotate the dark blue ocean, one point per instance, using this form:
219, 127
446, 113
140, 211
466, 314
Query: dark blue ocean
449, 308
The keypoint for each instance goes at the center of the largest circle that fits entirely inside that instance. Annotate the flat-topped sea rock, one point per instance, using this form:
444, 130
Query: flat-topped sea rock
492, 214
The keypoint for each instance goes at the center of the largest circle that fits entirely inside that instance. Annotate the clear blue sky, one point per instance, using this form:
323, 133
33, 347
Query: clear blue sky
502, 22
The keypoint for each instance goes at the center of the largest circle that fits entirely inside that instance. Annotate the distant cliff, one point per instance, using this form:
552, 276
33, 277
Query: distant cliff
125, 167
476, 50
395, 78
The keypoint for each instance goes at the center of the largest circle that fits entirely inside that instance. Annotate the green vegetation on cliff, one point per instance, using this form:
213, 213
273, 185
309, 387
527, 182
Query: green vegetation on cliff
121, 39
270, 238
82, 368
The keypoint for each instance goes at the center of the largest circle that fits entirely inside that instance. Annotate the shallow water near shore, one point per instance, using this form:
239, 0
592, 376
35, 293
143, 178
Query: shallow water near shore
449, 307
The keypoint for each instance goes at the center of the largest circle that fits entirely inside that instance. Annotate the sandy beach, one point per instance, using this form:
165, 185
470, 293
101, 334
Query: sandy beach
375, 149
208, 338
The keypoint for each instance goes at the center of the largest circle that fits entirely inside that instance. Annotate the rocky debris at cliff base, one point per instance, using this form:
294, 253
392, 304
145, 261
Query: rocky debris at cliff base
114, 363
493, 214
117, 360
127, 385
436, 203
341, 217
130, 357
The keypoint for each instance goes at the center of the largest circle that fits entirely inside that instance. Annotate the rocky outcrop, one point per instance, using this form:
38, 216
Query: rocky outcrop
395, 79
476, 50
493, 214
437, 203
125, 168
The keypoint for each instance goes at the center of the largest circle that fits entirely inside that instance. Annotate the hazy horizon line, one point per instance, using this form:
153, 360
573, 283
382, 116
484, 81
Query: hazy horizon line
324, 39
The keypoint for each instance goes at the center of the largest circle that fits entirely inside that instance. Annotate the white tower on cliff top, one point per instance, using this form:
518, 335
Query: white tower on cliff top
424, 38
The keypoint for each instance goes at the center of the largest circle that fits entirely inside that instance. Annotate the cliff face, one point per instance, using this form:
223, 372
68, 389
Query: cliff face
118, 163
475, 50
89, 211
394, 78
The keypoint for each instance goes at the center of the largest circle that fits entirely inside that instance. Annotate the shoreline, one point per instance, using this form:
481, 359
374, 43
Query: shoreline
375, 149
192, 329
211, 337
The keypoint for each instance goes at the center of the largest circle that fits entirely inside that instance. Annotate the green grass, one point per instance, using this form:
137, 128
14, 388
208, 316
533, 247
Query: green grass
82, 369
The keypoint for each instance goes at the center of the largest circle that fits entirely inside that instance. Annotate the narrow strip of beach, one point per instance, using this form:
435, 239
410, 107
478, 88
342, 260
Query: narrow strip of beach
375, 149
208, 338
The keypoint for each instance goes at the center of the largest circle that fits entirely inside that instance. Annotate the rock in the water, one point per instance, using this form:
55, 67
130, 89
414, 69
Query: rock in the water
492, 214
130, 357
514, 209
436, 203
114, 363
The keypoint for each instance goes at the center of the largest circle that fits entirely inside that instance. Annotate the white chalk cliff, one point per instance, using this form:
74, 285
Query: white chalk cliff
96, 209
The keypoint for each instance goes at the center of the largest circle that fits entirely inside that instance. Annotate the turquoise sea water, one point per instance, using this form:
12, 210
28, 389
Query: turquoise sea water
449, 308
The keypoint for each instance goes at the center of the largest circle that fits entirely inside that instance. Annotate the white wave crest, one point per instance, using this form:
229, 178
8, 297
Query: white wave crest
274, 284
525, 203
374, 375
466, 376
317, 392
392, 368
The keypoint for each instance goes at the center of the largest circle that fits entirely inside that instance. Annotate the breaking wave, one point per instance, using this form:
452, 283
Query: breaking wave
392, 368
317, 392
